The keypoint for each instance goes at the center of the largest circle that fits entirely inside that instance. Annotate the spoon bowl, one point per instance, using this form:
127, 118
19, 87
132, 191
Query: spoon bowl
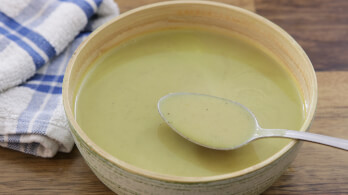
223, 124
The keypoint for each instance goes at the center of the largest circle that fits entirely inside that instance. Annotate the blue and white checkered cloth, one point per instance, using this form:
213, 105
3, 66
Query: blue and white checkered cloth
37, 38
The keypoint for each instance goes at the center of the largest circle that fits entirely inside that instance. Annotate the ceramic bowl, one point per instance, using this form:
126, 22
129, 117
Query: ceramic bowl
124, 178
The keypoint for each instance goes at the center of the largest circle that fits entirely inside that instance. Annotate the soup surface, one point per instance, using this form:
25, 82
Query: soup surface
116, 104
209, 121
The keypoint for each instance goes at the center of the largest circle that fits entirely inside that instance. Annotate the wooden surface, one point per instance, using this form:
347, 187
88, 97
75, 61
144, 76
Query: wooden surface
321, 28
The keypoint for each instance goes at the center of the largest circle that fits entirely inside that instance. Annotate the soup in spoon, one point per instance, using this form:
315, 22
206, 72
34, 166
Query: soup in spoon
207, 121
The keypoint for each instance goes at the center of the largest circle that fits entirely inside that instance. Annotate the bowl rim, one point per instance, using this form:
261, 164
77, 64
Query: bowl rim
171, 178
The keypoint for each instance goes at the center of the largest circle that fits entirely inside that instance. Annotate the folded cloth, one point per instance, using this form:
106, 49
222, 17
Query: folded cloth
37, 38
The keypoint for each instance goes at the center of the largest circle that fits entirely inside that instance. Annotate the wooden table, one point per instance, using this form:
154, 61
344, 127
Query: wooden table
321, 28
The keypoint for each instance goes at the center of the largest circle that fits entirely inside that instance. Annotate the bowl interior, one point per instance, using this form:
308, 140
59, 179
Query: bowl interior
206, 15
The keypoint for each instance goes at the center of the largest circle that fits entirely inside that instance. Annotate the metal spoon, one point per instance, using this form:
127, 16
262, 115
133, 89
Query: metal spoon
215, 141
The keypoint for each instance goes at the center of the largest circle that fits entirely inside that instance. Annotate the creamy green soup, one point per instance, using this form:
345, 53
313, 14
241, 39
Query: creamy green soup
116, 103
209, 121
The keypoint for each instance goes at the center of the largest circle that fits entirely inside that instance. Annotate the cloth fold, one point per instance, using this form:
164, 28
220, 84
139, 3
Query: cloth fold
37, 39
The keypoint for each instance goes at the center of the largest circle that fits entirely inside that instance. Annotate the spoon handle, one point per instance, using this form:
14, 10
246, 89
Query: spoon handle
312, 137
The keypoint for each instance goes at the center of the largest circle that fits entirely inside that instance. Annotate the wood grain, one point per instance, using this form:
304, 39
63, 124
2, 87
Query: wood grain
64, 174
321, 28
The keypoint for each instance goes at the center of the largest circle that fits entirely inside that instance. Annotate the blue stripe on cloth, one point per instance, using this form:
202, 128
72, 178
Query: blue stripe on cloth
13, 138
13, 142
36, 38
1, 138
42, 77
31, 148
51, 105
44, 88
26, 147
62, 59
31, 9
14, 146
45, 14
34, 146
84, 5
98, 2
4, 43
83, 34
38, 60
27, 115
